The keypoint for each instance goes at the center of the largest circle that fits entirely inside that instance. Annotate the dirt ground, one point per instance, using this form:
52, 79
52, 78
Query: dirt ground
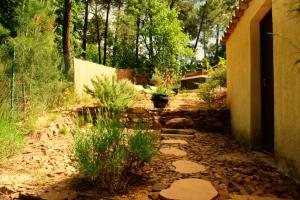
44, 168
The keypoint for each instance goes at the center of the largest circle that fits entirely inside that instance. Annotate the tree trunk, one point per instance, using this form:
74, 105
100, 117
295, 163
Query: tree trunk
217, 41
204, 44
85, 27
106, 32
66, 36
116, 34
98, 36
151, 52
172, 4
199, 30
137, 40
201, 26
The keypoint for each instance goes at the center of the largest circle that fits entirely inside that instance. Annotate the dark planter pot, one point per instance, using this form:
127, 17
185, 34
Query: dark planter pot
176, 90
160, 101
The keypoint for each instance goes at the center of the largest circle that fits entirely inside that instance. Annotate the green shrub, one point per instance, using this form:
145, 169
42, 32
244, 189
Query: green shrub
218, 73
160, 90
116, 95
109, 153
168, 78
217, 78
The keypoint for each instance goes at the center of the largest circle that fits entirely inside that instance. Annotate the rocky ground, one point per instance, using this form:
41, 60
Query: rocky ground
44, 169
234, 171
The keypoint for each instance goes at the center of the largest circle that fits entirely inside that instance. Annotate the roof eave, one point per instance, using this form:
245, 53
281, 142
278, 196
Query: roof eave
239, 12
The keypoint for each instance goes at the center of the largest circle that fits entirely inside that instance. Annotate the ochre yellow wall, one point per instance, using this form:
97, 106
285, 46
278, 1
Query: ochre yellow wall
243, 90
243, 60
286, 26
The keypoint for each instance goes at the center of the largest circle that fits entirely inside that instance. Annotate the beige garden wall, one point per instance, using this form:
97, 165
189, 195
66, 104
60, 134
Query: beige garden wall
243, 60
85, 71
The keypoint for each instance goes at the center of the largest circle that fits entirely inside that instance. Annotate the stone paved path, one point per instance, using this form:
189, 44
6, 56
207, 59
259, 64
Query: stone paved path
186, 189
233, 171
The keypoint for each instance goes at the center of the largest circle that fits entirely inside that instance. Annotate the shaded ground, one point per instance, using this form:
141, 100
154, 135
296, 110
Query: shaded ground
231, 169
44, 168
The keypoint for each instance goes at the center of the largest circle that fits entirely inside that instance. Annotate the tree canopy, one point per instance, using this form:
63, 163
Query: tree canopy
139, 34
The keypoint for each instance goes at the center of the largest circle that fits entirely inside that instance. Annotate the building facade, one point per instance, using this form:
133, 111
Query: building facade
263, 46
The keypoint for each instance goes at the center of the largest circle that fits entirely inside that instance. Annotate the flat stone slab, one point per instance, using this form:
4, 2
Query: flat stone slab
178, 131
174, 142
173, 151
188, 167
177, 136
189, 189
180, 123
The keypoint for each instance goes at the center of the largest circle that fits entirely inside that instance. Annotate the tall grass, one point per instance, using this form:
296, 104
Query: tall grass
11, 138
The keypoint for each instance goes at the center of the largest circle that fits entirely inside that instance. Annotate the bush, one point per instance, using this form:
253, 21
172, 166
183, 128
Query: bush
116, 95
108, 153
168, 78
162, 91
217, 79
218, 73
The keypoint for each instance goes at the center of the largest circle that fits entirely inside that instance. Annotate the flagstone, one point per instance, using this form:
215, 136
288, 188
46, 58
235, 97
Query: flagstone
189, 189
174, 142
173, 151
187, 167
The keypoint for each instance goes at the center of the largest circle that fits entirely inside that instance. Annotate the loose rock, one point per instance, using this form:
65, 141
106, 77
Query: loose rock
250, 197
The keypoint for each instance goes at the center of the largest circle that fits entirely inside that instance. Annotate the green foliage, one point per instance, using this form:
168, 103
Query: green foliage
4, 32
160, 90
195, 66
109, 153
217, 78
124, 41
205, 91
76, 25
8, 15
11, 138
116, 95
168, 78
213, 17
162, 43
169, 44
218, 73
92, 53
37, 60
